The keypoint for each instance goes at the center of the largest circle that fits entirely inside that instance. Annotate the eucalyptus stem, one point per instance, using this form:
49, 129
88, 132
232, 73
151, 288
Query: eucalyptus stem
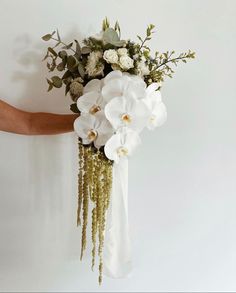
60, 42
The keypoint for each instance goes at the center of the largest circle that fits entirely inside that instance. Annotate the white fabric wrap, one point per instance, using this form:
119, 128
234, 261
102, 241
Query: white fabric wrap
117, 251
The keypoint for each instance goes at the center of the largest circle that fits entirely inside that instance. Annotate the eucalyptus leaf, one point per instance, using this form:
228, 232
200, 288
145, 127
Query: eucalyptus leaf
62, 54
57, 82
78, 49
85, 50
66, 74
52, 51
48, 81
47, 37
72, 62
81, 70
67, 88
58, 36
61, 66
74, 109
50, 87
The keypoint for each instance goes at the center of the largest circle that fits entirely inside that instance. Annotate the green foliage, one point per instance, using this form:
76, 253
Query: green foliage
74, 109
110, 36
71, 59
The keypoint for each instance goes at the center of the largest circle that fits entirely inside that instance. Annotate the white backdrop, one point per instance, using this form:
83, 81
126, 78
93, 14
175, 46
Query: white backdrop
182, 188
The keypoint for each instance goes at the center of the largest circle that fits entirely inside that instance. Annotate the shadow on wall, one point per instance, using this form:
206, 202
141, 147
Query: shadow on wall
52, 160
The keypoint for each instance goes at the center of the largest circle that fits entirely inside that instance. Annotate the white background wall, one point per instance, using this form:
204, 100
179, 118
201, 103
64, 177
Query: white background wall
182, 179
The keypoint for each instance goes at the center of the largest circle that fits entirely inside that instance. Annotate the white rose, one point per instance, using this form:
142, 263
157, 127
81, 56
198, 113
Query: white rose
126, 62
110, 56
122, 51
142, 68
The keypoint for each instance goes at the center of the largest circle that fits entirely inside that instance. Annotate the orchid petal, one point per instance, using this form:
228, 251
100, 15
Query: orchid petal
152, 88
87, 101
112, 75
94, 85
83, 124
130, 112
152, 100
158, 116
123, 143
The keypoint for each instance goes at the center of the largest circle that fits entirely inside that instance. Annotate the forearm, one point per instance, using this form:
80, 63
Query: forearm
22, 122
48, 123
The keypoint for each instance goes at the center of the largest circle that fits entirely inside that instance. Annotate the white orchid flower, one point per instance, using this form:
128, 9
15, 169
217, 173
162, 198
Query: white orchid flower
122, 144
112, 75
91, 102
93, 129
125, 85
94, 85
158, 116
157, 109
130, 112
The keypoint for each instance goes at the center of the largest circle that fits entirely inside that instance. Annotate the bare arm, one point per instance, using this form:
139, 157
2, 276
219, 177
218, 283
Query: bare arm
22, 122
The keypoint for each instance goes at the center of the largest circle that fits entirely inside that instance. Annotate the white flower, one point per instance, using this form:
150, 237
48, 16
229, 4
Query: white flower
122, 51
158, 117
126, 62
142, 68
110, 56
135, 56
93, 129
157, 109
122, 144
94, 66
91, 102
94, 85
112, 75
76, 90
130, 112
125, 85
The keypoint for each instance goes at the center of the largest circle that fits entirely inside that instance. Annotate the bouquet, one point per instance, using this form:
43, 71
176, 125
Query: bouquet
115, 87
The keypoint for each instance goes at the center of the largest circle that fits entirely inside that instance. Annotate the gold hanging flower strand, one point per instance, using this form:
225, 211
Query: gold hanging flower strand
94, 186
115, 88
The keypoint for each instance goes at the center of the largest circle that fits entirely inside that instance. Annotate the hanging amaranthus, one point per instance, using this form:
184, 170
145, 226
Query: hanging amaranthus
94, 187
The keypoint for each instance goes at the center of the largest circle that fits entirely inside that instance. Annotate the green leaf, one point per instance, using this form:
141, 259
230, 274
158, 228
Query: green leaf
110, 36
81, 70
78, 49
57, 82
61, 66
74, 109
50, 87
47, 37
62, 54
85, 50
67, 88
140, 39
48, 81
52, 51
66, 74
72, 62
58, 36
